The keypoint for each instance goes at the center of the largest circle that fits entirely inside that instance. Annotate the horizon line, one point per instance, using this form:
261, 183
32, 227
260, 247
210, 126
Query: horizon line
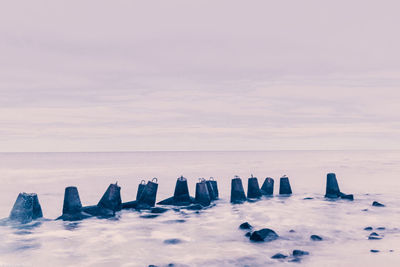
150, 151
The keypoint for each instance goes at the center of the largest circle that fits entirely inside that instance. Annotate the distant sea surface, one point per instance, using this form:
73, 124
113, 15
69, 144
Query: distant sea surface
210, 237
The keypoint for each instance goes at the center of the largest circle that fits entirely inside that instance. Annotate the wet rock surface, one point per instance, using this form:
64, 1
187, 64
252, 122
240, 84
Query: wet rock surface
316, 238
299, 253
279, 256
264, 235
245, 225
377, 204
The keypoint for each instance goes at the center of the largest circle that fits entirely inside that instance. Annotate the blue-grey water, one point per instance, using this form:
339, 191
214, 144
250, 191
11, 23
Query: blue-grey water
210, 237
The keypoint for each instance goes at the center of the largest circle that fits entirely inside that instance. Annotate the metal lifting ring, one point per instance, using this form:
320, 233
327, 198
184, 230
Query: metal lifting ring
211, 179
143, 182
156, 180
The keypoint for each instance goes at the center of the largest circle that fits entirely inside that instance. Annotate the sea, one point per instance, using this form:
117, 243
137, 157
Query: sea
209, 237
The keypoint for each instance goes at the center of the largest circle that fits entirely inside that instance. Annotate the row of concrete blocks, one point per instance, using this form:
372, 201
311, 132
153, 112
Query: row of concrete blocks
27, 206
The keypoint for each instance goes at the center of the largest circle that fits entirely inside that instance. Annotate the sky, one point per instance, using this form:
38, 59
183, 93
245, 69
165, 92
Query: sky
199, 75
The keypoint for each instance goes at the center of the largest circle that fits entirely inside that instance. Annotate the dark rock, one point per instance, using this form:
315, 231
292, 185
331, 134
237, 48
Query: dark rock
368, 228
364, 210
374, 236
308, 198
268, 187
149, 216
292, 231
175, 221
316, 238
245, 225
248, 234
158, 210
299, 253
172, 241
381, 228
377, 204
265, 234
279, 256
26, 208
374, 250
253, 189
284, 186
237, 191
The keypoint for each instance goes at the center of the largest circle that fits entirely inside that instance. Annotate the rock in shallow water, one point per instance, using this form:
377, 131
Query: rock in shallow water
172, 241
374, 236
265, 235
316, 238
377, 204
299, 253
374, 250
245, 225
279, 256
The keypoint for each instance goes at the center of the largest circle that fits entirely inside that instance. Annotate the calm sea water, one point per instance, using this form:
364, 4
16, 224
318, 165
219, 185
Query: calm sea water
210, 237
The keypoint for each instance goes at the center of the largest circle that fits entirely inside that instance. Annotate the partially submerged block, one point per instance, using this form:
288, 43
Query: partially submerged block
26, 208
253, 189
181, 195
108, 204
202, 196
210, 189
332, 188
72, 207
215, 187
237, 191
284, 187
141, 187
267, 188
149, 194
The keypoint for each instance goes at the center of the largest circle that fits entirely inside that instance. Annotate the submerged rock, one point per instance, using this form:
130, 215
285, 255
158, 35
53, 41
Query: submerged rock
368, 228
374, 250
377, 204
374, 236
279, 256
158, 210
316, 238
264, 235
299, 253
172, 241
245, 225
381, 228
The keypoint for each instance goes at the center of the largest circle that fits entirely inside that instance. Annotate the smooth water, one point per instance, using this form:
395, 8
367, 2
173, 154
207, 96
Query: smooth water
210, 237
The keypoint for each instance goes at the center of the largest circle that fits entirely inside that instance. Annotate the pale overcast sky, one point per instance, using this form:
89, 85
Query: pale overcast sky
199, 75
